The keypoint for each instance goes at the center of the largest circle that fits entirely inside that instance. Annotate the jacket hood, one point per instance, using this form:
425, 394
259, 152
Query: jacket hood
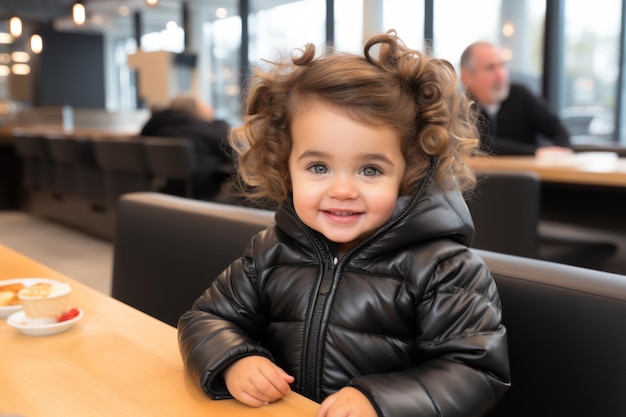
429, 214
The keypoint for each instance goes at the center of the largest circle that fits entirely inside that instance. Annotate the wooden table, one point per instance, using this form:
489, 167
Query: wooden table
577, 170
116, 361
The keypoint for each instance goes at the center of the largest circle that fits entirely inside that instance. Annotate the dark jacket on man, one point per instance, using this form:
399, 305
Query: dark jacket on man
522, 124
210, 142
411, 317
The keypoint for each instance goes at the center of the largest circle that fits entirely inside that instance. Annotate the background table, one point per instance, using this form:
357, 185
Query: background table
574, 171
116, 361
589, 197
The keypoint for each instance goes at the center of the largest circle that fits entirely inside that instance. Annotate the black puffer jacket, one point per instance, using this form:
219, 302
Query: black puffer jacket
411, 316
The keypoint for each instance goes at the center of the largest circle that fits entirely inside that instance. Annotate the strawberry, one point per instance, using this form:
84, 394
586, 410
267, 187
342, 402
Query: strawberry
69, 314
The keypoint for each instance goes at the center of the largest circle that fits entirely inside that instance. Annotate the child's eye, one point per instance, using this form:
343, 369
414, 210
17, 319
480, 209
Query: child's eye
371, 171
318, 168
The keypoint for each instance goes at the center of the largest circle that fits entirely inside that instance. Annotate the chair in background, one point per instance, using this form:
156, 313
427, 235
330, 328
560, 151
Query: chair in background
76, 172
125, 166
505, 207
505, 210
90, 179
36, 161
171, 162
65, 161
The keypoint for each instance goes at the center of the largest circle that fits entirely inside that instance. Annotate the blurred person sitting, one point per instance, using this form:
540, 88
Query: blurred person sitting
513, 121
191, 118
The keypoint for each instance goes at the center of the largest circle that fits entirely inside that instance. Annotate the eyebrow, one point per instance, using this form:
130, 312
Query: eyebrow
373, 157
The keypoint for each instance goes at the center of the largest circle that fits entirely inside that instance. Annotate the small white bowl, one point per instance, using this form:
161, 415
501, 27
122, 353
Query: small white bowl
18, 320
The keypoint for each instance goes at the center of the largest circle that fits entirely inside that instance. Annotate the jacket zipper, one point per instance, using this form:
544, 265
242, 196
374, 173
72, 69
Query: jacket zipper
311, 368
330, 271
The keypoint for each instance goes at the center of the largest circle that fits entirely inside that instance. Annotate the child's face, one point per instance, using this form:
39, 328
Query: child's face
345, 175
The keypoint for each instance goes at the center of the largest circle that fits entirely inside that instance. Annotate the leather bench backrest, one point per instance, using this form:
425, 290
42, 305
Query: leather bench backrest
168, 249
567, 338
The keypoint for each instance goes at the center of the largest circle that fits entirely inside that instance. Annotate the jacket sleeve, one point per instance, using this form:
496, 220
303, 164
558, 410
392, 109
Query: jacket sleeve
466, 369
222, 326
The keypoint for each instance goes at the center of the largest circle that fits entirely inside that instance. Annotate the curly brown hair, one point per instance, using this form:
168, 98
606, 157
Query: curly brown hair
398, 87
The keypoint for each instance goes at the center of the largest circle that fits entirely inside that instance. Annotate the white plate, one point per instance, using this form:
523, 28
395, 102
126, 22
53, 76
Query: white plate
6, 311
18, 320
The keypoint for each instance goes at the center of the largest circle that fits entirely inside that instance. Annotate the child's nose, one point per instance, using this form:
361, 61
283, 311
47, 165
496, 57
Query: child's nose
343, 187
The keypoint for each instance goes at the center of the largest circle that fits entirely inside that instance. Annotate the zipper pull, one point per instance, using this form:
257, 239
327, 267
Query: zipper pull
333, 263
327, 280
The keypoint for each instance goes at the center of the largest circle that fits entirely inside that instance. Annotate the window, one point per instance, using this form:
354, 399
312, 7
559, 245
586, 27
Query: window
275, 32
516, 26
223, 39
591, 68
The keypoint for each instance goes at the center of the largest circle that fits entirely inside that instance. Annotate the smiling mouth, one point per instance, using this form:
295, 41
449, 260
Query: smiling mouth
343, 213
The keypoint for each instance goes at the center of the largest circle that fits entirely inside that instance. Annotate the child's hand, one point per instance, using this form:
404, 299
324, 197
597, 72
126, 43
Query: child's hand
347, 402
256, 381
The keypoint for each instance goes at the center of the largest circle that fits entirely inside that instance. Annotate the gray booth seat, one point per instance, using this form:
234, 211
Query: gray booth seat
565, 324
168, 249
567, 339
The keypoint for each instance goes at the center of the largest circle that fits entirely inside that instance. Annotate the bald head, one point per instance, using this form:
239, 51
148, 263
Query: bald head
484, 73
193, 106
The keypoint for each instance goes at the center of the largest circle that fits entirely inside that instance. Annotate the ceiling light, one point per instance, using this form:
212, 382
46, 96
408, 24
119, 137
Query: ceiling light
15, 26
36, 44
20, 56
4, 70
5, 38
507, 54
508, 29
221, 13
20, 69
78, 14
152, 3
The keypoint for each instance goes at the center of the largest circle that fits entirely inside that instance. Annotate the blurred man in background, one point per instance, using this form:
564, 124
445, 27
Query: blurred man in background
191, 118
513, 120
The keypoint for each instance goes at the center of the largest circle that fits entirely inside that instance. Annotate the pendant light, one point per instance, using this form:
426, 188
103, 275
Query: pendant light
15, 27
36, 43
78, 13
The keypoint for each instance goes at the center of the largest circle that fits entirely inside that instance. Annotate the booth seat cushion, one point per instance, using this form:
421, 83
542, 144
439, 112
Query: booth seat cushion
168, 249
567, 338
